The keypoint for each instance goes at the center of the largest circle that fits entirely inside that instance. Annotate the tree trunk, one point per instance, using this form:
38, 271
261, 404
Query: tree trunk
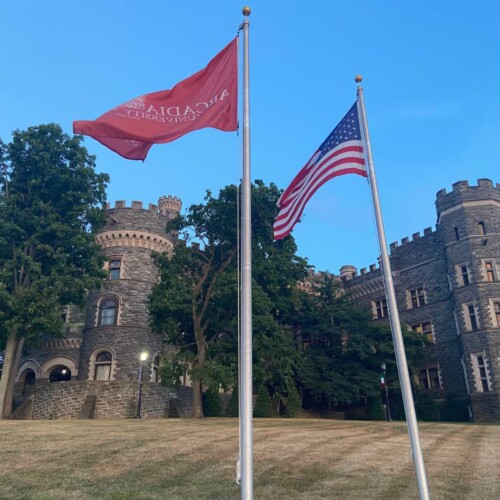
197, 400
197, 384
9, 393
8, 368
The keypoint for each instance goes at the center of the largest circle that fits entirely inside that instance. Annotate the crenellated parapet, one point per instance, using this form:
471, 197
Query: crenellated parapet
166, 205
135, 225
349, 272
407, 240
169, 205
463, 193
63, 343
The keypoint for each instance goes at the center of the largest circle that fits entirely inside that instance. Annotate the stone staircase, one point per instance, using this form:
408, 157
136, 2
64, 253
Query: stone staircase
88, 408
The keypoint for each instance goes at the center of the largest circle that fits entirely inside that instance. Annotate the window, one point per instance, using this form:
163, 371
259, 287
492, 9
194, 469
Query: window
482, 228
480, 368
64, 314
155, 376
379, 308
424, 329
115, 269
416, 297
490, 271
457, 234
496, 312
463, 275
306, 344
108, 311
102, 366
470, 317
429, 378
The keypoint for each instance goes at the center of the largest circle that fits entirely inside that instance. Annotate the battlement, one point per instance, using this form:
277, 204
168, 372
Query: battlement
169, 204
462, 186
349, 272
463, 191
166, 204
415, 236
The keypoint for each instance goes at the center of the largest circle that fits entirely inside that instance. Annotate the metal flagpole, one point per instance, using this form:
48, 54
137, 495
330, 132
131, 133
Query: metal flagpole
397, 336
246, 287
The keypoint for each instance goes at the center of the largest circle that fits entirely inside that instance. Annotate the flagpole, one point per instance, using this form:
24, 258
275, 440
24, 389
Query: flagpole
246, 452
397, 335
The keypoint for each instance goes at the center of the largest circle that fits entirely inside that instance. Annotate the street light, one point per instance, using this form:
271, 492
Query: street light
383, 386
143, 357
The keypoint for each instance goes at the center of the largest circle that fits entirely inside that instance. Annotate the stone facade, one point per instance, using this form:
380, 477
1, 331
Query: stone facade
447, 285
92, 372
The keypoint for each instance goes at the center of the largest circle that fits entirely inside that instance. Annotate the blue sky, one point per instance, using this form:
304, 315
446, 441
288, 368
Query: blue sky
431, 78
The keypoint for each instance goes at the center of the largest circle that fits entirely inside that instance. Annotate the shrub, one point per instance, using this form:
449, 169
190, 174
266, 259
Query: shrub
454, 409
263, 407
211, 403
293, 404
233, 408
374, 409
426, 407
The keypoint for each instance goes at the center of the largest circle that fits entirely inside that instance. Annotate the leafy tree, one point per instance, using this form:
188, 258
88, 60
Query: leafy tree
342, 365
195, 304
50, 197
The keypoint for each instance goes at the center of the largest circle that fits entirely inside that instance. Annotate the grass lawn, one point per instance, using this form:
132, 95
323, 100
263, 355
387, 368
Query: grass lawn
190, 459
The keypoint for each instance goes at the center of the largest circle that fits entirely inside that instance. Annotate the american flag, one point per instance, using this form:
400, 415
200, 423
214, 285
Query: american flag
341, 153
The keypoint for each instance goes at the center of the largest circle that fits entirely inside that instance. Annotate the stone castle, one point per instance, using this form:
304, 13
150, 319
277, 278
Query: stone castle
93, 370
447, 285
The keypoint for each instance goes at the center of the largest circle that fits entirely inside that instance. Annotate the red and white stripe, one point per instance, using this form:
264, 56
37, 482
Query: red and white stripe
346, 158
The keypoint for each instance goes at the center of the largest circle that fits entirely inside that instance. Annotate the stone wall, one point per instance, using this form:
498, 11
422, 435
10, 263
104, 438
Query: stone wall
485, 406
64, 400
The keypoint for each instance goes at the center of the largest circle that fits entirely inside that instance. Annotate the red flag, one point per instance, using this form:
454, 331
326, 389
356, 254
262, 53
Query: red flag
341, 153
206, 99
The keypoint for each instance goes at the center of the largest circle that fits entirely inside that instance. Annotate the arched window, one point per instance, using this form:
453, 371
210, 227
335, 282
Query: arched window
102, 366
108, 311
155, 376
482, 228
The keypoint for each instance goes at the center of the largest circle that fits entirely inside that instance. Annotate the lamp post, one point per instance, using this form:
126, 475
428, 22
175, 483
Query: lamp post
143, 357
383, 386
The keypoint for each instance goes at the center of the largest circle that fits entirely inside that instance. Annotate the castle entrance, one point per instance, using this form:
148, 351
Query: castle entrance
60, 373
28, 377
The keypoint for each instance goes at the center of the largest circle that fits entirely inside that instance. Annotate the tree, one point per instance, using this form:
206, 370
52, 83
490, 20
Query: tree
50, 208
195, 304
342, 364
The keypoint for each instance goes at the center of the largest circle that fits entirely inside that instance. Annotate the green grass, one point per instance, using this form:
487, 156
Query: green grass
293, 458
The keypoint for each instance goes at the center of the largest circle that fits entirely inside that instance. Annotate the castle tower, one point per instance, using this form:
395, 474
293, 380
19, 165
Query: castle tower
348, 272
117, 323
469, 225
169, 206
92, 371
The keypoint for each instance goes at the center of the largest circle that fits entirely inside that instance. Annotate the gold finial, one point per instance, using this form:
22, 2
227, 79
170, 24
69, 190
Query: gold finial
246, 11
358, 79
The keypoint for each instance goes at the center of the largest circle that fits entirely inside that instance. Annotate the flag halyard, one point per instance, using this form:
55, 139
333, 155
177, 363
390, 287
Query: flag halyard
341, 153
